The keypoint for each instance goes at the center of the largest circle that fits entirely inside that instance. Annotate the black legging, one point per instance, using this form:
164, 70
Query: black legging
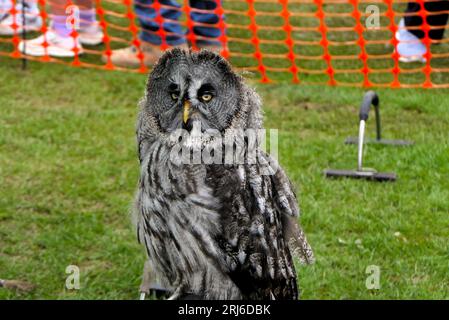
432, 20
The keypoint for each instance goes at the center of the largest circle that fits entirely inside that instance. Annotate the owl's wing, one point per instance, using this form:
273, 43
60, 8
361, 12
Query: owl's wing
259, 223
286, 202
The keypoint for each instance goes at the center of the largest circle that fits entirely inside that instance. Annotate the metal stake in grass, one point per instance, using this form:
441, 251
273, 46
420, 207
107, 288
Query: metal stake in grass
369, 99
375, 102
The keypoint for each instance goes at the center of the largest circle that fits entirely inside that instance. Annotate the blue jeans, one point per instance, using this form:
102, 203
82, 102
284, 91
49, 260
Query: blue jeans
150, 27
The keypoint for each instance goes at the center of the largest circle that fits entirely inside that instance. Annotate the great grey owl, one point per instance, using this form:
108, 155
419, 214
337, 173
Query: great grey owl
212, 230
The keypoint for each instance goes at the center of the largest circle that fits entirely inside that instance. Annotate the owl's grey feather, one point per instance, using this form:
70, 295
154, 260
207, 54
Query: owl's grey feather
218, 231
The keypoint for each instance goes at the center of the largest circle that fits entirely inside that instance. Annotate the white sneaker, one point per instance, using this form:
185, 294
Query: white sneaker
91, 35
33, 22
410, 47
57, 46
5, 6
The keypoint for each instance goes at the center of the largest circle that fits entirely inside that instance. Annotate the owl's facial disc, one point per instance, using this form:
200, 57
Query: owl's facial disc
187, 87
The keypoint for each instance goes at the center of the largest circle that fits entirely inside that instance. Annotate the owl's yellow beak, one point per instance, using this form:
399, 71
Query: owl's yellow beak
186, 111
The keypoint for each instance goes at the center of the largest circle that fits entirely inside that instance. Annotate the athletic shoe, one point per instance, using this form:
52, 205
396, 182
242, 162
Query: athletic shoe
33, 22
91, 35
5, 6
127, 57
57, 46
410, 47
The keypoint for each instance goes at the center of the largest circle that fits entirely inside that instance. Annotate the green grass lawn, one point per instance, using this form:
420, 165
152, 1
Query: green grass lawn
68, 170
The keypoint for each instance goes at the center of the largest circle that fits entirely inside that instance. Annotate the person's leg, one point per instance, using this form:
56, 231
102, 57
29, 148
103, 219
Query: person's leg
87, 13
434, 20
212, 32
170, 12
410, 46
151, 40
437, 20
59, 18
90, 32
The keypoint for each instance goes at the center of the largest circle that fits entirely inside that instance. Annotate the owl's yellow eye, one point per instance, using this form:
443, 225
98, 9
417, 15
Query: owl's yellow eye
174, 96
206, 97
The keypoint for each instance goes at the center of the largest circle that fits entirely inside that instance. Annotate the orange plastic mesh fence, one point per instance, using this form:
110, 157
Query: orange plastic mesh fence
334, 42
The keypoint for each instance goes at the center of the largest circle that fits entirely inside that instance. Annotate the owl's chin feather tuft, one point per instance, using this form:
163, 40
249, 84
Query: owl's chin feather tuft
187, 125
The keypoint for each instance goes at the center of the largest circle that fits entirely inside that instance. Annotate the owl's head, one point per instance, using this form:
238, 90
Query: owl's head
185, 87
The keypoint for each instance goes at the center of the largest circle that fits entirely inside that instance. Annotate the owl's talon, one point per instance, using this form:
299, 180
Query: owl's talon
177, 293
